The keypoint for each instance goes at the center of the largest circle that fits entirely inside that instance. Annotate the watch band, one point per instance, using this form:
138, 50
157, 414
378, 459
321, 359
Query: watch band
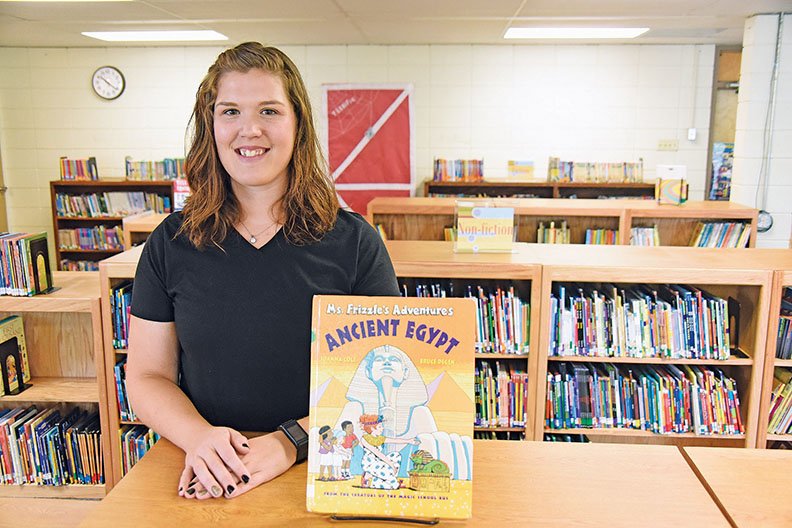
297, 436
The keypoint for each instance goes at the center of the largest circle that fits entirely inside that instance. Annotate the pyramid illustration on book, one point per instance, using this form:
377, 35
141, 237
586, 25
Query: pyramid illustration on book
446, 395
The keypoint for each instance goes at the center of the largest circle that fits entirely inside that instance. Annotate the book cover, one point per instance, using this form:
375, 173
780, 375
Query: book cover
12, 329
392, 410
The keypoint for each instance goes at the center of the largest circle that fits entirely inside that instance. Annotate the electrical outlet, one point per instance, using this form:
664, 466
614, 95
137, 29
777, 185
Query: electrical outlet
667, 144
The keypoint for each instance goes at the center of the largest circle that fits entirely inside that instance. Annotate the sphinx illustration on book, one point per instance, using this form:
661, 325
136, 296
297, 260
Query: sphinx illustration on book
392, 409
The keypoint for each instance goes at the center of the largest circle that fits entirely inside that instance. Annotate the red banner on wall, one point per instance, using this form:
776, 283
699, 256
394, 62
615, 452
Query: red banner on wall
369, 141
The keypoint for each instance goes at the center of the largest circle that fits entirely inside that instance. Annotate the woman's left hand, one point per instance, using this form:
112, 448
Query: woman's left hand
269, 456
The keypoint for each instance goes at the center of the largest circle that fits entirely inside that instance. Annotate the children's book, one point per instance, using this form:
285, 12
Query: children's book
392, 409
12, 339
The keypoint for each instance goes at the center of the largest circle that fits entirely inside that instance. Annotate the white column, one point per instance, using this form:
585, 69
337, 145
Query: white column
758, 56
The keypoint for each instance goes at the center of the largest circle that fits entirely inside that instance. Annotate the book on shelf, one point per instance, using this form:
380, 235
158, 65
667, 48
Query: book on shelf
110, 203
500, 394
503, 319
721, 235
125, 412
166, 169
25, 268
780, 415
136, 441
640, 321
784, 337
120, 306
391, 414
645, 236
79, 265
550, 234
12, 339
78, 169
97, 237
520, 170
607, 237
594, 172
461, 170
662, 399
46, 448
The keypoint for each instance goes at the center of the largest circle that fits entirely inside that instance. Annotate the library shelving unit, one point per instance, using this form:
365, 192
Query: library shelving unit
63, 333
782, 279
722, 272
431, 261
162, 188
112, 271
426, 218
137, 228
540, 189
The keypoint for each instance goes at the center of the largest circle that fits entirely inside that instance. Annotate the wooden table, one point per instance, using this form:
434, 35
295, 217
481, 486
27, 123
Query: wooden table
751, 485
531, 483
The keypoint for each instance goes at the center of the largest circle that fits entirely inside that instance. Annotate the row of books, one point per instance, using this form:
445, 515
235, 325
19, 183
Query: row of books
136, 440
606, 237
550, 234
450, 234
79, 265
115, 203
501, 395
503, 320
649, 321
599, 172
784, 338
721, 235
125, 411
167, 169
780, 417
24, 264
458, 170
43, 447
662, 399
97, 237
644, 236
78, 169
120, 302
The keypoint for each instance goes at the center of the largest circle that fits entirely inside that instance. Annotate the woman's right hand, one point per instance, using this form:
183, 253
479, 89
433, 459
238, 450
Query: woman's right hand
213, 463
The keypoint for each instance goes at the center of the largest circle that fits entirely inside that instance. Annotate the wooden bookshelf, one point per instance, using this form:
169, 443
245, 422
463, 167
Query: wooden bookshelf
426, 218
782, 278
540, 189
138, 227
696, 267
63, 333
113, 271
162, 188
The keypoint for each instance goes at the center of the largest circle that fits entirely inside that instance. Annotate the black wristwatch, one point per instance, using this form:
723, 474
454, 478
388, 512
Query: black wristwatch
297, 436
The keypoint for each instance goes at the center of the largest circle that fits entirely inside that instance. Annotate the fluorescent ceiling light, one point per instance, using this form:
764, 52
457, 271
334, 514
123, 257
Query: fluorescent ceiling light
573, 33
154, 36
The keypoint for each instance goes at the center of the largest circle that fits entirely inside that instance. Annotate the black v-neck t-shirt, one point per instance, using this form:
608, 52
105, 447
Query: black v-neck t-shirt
243, 315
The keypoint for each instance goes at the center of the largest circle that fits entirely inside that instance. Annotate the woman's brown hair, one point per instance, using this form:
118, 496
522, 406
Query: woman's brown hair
309, 203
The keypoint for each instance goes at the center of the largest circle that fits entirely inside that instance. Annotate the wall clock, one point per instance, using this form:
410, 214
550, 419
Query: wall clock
108, 82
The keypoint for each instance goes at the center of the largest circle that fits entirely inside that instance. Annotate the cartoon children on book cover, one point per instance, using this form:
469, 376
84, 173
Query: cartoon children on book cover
392, 411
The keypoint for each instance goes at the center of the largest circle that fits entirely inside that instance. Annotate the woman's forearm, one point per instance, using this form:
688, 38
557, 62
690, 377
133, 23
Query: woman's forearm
163, 406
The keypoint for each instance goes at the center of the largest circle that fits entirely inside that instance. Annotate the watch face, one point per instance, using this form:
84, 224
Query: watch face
296, 432
108, 82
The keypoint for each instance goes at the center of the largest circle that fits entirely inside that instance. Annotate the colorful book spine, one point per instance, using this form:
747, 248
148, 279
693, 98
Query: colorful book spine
668, 321
500, 395
663, 399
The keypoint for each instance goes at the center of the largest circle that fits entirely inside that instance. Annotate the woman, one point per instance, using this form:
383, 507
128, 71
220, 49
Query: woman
221, 309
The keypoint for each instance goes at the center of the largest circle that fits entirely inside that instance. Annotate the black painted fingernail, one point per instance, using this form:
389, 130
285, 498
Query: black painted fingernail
230, 489
245, 479
180, 488
245, 445
190, 491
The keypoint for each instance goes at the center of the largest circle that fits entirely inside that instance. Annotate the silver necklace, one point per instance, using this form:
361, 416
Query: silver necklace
253, 238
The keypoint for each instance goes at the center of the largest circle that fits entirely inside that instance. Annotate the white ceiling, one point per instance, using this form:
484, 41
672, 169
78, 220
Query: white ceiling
377, 21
